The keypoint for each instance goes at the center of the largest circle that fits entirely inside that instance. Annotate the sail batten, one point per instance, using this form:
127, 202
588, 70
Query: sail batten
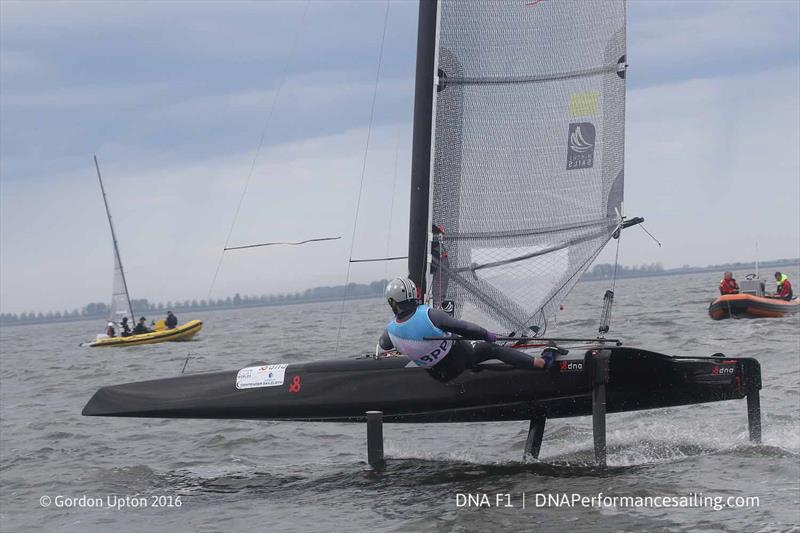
528, 141
604, 222
534, 79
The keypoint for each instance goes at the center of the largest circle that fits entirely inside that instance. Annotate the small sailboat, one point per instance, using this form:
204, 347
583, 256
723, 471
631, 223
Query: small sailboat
516, 187
121, 303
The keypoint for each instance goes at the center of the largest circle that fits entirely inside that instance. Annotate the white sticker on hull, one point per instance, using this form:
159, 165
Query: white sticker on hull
260, 376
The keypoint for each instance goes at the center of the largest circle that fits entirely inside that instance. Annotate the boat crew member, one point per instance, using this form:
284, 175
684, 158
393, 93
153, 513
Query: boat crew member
141, 327
443, 359
783, 289
728, 284
110, 330
126, 328
171, 321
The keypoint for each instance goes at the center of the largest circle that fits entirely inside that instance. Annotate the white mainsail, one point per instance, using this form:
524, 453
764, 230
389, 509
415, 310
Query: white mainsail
528, 141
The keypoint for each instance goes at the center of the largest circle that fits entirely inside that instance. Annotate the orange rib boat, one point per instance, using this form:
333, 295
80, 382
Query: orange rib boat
751, 306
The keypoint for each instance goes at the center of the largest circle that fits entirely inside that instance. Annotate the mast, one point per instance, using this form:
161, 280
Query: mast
114, 239
421, 150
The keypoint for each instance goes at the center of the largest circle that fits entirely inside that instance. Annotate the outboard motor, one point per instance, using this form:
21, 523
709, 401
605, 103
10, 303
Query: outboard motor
752, 285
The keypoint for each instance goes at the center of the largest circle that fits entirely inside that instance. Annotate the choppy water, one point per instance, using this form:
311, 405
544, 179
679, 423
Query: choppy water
279, 476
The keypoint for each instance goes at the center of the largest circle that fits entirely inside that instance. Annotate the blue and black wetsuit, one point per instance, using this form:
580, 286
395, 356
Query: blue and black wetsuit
445, 359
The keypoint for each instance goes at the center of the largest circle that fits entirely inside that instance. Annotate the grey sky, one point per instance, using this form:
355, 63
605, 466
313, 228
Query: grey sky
173, 97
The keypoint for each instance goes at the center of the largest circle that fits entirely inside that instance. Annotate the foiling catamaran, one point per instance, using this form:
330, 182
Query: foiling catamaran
517, 185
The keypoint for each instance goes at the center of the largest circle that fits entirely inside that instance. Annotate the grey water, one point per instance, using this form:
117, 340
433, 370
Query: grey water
218, 475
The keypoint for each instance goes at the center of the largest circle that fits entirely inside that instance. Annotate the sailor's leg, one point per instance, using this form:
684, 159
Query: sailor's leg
454, 363
484, 351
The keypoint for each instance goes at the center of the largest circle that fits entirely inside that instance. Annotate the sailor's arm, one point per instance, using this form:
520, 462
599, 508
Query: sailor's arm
384, 344
465, 329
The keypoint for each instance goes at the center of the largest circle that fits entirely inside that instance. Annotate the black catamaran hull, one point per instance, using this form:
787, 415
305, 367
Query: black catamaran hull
343, 390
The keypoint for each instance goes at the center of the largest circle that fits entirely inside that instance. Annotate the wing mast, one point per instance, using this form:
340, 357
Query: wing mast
419, 225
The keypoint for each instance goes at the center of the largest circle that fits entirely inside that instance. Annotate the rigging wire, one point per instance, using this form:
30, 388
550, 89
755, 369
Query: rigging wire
391, 204
270, 113
297, 243
608, 297
651, 235
616, 263
583, 265
379, 259
363, 173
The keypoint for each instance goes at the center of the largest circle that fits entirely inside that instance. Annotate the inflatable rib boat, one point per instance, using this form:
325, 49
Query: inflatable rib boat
183, 332
751, 306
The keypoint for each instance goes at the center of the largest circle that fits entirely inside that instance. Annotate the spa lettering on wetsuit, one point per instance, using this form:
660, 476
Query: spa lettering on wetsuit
407, 334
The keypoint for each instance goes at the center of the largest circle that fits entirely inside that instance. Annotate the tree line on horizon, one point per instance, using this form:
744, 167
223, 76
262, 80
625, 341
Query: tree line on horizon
606, 270
336, 292
144, 307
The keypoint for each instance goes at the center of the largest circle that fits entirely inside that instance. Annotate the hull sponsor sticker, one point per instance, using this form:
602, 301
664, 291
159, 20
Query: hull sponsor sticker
570, 366
261, 376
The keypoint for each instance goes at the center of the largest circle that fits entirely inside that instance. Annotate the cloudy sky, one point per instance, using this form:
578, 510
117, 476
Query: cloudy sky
174, 97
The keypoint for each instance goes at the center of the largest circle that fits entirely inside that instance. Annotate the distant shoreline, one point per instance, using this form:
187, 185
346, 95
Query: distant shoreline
750, 267
621, 274
179, 310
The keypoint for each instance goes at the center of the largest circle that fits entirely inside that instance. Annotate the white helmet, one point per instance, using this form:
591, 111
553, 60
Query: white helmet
401, 290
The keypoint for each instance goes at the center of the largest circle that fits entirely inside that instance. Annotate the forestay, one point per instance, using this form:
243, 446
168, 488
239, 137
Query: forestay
120, 299
528, 136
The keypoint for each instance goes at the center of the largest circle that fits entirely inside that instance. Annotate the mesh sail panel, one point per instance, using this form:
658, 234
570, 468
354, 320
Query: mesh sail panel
528, 154
119, 296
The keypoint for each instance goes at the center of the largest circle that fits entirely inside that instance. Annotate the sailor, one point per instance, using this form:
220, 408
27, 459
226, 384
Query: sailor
171, 321
728, 284
783, 289
126, 329
110, 330
141, 327
443, 359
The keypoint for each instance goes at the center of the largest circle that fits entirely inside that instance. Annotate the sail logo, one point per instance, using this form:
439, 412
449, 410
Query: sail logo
449, 307
580, 145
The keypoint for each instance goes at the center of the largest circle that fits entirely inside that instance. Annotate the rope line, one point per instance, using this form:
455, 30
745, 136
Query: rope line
363, 173
281, 83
